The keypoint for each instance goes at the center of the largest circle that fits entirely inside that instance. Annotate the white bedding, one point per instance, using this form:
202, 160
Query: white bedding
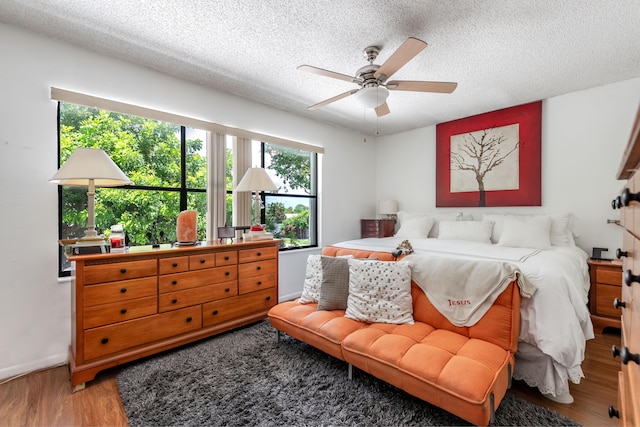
555, 322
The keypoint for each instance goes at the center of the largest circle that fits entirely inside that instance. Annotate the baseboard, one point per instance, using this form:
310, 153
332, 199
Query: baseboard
36, 365
289, 297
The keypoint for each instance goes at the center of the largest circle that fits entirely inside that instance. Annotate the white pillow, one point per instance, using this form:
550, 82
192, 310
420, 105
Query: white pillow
531, 233
380, 292
417, 227
476, 231
561, 233
437, 217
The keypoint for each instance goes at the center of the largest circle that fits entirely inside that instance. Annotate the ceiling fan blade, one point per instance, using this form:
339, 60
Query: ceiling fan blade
407, 50
418, 86
382, 110
327, 73
330, 100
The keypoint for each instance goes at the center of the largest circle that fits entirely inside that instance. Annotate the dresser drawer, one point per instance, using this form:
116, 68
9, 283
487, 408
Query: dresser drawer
110, 339
173, 265
226, 258
256, 283
249, 255
220, 311
106, 314
120, 291
188, 297
200, 261
120, 271
192, 279
257, 268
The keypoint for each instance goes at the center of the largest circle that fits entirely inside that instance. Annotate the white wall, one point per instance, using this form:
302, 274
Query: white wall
34, 305
583, 137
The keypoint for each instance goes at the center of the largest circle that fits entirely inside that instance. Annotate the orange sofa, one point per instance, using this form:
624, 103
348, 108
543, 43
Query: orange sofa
463, 370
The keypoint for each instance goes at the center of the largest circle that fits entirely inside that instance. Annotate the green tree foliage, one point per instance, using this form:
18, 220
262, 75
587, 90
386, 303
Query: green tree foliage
148, 152
293, 166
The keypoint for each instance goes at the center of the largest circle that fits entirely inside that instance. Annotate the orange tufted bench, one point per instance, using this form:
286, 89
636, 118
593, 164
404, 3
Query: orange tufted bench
463, 370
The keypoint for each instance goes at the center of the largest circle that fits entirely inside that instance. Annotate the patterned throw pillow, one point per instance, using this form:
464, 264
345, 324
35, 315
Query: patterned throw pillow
312, 280
335, 283
380, 291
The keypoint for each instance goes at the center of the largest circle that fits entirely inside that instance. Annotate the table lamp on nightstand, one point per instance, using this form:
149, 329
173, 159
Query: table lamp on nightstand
90, 167
388, 208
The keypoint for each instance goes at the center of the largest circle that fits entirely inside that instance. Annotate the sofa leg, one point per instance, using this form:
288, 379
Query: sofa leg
350, 371
510, 376
492, 405
278, 336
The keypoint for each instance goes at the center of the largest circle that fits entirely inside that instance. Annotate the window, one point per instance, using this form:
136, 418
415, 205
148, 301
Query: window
290, 212
166, 162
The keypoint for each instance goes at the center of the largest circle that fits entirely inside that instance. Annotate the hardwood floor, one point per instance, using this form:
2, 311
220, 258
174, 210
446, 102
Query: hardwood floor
44, 398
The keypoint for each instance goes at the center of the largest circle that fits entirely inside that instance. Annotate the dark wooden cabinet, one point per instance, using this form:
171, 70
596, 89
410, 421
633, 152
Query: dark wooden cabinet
377, 227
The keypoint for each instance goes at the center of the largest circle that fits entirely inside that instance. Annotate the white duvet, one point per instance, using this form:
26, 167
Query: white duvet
555, 321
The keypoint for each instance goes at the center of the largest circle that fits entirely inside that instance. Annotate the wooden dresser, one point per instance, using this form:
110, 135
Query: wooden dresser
628, 409
606, 280
377, 227
131, 305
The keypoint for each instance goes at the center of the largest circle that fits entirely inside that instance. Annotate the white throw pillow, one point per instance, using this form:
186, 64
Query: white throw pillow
404, 216
312, 280
531, 233
561, 233
380, 291
475, 231
417, 227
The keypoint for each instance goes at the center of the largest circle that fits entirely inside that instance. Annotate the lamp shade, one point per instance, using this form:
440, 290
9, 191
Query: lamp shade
372, 96
388, 207
87, 164
256, 179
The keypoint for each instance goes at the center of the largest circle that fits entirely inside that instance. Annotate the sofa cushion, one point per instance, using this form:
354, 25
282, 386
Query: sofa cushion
379, 291
312, 280
334, 289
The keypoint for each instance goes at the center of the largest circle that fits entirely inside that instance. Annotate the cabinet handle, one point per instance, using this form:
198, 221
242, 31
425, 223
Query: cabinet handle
123, 270
123, 311
175, 264
617, 303
202, 261
174, 301
174, 282
104, 340
123, 290
227, 289
269, 298
627, 197
259, 253
258, 268
189, 319
259, 283
613, 412
616, 203
226, 273
629, 278
620, 253
215, 312
226, 258
625, 355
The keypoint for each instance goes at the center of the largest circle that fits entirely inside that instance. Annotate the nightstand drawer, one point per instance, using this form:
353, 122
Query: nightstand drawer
606, 295
611, 276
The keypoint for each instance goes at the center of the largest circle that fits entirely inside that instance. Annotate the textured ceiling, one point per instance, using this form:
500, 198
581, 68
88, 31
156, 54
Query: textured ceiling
501, 52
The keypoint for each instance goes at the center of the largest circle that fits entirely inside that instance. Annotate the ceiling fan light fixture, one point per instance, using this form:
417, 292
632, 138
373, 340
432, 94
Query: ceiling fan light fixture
372, 96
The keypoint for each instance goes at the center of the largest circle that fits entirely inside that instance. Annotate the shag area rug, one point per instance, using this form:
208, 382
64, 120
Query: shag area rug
245, 378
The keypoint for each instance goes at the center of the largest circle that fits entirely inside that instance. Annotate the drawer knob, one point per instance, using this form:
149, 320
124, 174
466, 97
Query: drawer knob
227, 273
174, 282
613, 412
123, 270
259, 283
175, 264
620, 253
202, 261
629, 278
269, 298
189, 319
123, 290
123, 311
627, 197
227, 289
215, 312
617, 303
625, 355
226, 258
258, 268
616, 203
174, 301
259, 253
104, 340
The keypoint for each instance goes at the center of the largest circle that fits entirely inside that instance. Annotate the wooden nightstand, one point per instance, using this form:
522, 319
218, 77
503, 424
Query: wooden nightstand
377, 227
606, 285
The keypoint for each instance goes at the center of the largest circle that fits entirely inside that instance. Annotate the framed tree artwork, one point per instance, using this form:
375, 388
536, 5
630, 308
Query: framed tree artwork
492, 159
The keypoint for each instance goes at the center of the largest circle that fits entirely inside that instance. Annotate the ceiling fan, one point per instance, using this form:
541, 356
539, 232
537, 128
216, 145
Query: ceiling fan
372, 78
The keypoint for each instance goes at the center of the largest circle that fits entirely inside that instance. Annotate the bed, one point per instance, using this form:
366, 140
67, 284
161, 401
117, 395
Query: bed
555, 321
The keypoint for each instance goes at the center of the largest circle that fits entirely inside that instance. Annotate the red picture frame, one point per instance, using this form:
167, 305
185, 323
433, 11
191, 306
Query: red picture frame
528, 117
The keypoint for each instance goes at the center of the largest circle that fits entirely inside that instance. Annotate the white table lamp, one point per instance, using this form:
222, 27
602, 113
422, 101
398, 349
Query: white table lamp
388, 208
257, 180
90, 167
